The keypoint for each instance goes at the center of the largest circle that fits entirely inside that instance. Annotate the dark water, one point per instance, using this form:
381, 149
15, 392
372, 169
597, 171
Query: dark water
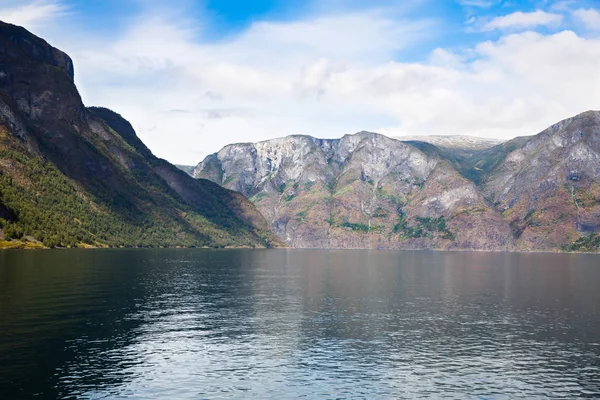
177, 324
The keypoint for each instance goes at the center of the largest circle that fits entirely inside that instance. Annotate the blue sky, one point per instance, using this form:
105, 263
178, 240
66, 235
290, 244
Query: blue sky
193, 76
225, 18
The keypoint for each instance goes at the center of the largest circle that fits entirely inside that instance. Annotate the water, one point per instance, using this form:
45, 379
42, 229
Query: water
178, 324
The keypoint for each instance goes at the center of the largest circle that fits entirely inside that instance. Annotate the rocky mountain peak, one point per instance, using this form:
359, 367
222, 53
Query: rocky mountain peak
368, 190
249, 167
549, 188
18, 46
36, 83
72, 176
362, 190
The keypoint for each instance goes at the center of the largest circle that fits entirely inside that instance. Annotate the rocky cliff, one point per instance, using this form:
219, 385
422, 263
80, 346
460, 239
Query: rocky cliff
549, 188
77, 176
363, 190
368, 190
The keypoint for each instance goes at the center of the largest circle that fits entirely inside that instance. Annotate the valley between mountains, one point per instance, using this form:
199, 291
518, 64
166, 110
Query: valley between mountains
538, 193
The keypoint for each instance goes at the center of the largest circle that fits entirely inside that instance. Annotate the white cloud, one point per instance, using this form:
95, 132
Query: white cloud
32, 15
589, 17
269, 81
523, 20
326, 75
516, 86
278, 79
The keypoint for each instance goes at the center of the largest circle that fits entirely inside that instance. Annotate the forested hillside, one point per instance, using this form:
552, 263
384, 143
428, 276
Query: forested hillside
76, 176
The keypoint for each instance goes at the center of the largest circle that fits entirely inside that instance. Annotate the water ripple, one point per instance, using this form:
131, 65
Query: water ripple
300, 324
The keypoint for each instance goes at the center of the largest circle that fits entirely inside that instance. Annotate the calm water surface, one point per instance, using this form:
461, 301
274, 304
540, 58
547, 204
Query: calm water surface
194, 324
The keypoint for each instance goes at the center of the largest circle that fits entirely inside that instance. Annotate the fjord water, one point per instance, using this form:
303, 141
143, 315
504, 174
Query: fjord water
277, 324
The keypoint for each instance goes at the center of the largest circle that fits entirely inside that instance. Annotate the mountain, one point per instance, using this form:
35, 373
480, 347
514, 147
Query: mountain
363, 190
77, 176
472, 163
469, 155
549, 188
368, 190
457, 142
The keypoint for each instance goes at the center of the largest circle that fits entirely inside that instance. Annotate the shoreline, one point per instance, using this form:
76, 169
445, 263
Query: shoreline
5, 245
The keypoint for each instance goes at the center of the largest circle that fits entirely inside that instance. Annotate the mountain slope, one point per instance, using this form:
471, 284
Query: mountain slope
71, 175
366, 190
549, 188
363, 190
474, 164
455, 142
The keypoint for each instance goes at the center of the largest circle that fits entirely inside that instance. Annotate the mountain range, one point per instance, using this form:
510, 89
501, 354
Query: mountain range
76, 176
366, 190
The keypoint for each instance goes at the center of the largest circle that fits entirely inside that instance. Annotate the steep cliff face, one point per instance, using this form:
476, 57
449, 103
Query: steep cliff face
363, 190
366, 190
549, 188
76, 176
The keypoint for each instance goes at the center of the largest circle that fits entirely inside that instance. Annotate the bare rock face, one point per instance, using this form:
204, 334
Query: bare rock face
361, 191
474, 224
366, 190
37, 79
549, 189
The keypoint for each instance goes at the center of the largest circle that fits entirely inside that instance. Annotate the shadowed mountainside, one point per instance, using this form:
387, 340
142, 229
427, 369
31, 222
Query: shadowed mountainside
77, 176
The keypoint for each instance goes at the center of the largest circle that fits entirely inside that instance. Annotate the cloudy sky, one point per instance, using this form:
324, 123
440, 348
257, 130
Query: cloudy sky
193, 76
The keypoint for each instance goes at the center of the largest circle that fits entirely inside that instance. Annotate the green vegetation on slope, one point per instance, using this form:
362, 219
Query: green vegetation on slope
589, 243
425, 227
76, 176
37, 200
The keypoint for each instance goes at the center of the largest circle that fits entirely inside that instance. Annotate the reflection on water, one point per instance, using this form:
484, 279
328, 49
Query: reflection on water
292, 323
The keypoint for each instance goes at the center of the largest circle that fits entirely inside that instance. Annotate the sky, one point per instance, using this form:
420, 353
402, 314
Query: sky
193, 76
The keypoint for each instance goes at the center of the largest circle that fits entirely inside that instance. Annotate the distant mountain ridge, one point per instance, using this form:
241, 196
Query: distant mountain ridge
188, 169
457, 142
76, 176
369, 190
363, 190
